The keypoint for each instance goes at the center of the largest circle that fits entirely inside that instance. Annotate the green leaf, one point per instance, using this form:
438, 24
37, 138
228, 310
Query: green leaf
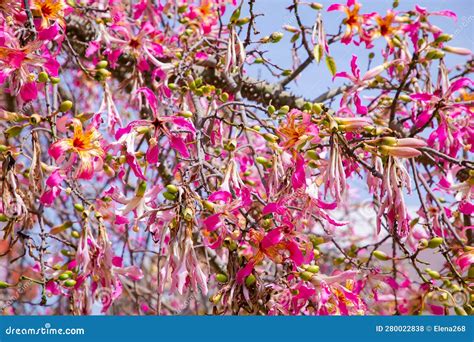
318, 52
331, 64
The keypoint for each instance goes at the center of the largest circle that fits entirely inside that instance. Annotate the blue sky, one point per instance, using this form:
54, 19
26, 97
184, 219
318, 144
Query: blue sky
316, 79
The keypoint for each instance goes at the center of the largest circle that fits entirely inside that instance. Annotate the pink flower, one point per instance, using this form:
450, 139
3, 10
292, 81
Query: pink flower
52, 182
84, 145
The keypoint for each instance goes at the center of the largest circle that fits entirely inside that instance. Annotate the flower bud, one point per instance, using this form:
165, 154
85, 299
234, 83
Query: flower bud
70, 283
432, 274
242, 21
458, 50
43, 77
102, 74
172, 188
102, 65
442, 38
224, 97
65, 106
216, 298
271, 109
312, 268
55, 80
317, 108
208, 205
306, 275
435, 242
275, 37
390, 141
270, 137
312, 154
141, 189
35, 119
380, 255
188, 214
3, 218
263, 161
4, 285
460, 311
221, 278
169, 196
14, 131
316, 6
250, 280
435, 54
423, 243
186, 114
284, 110
79, 207
64, 276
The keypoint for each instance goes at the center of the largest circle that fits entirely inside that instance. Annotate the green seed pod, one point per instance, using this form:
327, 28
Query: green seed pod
221, 278
216, 298
186, 114
169, 196
64, 276
35, 119
390, 141
275, 37
316, 6
65, 106
55, 80
306, 275
460, 311
435, 54
435, 242
224, 97
442, 38
270, 137
188, 214
433, 274
313, 268
380, 255
14, 131
102, 74
317, 108
423, 243
70, 283
470, 273
43, 77
3, 218
79, 207
75, 234
262, 160
307, 106
102, 65
284, 110
316, 240
4, 285
172, 188
271, 109
250, 280
312, 154
208, 205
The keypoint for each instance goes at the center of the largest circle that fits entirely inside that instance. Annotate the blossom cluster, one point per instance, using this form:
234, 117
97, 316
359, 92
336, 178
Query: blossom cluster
145, 171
